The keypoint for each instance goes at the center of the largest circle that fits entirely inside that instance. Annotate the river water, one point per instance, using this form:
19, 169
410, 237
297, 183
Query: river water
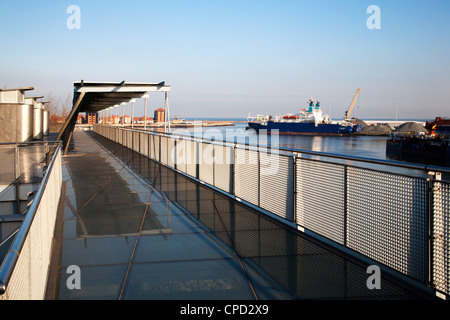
372, 147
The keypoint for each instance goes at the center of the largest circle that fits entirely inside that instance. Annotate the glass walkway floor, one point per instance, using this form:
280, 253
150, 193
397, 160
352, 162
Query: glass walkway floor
138, 230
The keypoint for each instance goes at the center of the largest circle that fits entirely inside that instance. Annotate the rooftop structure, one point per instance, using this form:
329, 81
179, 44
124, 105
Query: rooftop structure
103, 96
14, 95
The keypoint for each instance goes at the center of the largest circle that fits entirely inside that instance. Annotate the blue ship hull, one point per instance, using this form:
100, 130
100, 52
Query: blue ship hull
306, 128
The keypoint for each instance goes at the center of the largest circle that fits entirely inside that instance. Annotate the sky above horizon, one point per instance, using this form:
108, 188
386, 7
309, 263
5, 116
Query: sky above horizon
231, 58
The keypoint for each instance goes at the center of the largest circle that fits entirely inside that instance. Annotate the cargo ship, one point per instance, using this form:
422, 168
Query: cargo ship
310, 121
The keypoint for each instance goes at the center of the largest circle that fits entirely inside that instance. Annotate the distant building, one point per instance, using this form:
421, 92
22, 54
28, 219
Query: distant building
141, 120
115, 119
149, 120
81, 119
91, 118
111, 120
88, 118
159, 115
126, 121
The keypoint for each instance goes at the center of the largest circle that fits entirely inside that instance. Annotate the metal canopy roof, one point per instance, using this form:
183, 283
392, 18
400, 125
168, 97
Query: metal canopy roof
97, 96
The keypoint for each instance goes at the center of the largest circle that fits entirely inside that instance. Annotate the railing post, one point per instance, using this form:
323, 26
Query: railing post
233, 171
213, 164
159, 149
197, 159
174, 152
430, 231
17, 175
294, 188
345, 205
259, 175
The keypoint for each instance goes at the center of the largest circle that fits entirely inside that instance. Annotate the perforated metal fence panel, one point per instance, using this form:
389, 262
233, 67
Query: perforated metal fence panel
223, 160
441, 236
29, 277
143, 143
206, 160
181, 155
136, 141
247, 175
154, 142
119, 135
164, 148
277, 184
171, 154
320, 198
387, 219
191, 158
129, 142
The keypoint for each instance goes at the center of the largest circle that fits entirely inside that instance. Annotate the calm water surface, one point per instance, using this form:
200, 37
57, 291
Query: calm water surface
372, 147
361, 146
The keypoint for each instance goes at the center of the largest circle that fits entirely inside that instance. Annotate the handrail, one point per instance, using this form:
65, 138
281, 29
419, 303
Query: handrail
10, 260
309, 152
28, 143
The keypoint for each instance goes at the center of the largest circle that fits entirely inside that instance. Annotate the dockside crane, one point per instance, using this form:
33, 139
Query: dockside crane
349, 112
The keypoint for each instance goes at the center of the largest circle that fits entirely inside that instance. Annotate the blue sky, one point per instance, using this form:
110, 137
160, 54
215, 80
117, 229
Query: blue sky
231, 58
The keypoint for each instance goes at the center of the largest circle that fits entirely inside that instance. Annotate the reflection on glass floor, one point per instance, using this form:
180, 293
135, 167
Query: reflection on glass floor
139, 230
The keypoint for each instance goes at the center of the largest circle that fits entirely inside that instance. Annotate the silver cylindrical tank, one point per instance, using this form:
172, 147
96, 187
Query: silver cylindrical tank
16, 123
25, 116
38, 129
45, 124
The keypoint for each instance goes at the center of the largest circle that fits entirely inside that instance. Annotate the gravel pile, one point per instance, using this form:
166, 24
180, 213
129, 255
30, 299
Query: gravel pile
381, 129
408, 127
359, 121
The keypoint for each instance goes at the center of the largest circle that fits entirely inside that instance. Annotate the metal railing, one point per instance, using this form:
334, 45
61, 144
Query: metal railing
21, 170
393, 213
23, 273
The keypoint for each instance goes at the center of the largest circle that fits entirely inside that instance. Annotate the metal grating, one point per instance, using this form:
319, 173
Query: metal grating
223, 159
387, 219
441, 236
277, 184
153, 142
129, 139
124, 137
143, 140
191, 158
120, 138
206, 168
163, 147
247, 175
115, 134
181, 155
171, 152
29, 277
136, 141
320, 198
119, 135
